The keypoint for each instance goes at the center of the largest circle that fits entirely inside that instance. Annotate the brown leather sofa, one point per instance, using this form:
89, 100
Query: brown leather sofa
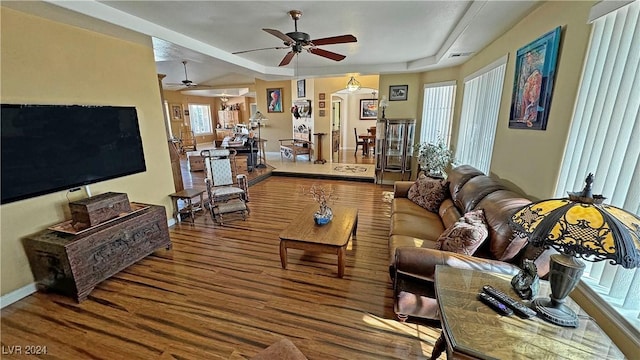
415, 230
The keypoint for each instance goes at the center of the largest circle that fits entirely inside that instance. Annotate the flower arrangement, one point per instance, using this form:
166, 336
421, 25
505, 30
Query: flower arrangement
322, 195
434, 158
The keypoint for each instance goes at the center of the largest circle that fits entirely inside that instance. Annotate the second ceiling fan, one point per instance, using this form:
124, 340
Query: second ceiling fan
298, 41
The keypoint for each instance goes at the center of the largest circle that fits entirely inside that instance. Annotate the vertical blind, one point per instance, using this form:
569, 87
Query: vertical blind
479, 118
605, 139
437, 112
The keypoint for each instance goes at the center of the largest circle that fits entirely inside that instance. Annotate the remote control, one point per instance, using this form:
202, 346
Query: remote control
496, 305
519, 308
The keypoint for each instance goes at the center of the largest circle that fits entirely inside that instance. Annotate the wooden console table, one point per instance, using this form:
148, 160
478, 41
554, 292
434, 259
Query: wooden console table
74, 264
472, 330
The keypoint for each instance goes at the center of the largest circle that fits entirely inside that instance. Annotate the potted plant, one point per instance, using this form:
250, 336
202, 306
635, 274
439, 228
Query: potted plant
434, 158
322, 196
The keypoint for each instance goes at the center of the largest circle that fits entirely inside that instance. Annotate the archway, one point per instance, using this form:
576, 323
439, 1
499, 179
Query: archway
345, 117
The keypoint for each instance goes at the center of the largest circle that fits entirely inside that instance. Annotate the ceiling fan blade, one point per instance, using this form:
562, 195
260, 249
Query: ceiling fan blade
334, 40
277, 33
268, 48
327, 54
287, 58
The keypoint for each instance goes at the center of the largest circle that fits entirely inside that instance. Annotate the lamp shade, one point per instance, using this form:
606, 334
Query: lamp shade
582, 228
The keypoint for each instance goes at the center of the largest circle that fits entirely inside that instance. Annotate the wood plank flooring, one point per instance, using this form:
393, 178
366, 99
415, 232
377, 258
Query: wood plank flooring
221, 293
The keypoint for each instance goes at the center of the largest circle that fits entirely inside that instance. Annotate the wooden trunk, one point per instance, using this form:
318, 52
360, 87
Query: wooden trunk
74, 264
98, 209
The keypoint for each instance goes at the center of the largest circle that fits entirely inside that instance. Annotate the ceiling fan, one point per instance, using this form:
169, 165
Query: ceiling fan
298, 41
188, 83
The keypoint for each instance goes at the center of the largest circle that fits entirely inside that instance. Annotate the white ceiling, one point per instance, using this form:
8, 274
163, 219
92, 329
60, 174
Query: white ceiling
393, 36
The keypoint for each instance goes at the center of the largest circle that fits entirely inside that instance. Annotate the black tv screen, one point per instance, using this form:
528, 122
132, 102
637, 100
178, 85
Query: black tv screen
48, 148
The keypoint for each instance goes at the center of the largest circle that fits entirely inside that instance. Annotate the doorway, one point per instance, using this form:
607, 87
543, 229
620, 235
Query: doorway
345, 117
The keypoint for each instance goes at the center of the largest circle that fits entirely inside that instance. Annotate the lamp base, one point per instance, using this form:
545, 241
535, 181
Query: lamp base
556, 313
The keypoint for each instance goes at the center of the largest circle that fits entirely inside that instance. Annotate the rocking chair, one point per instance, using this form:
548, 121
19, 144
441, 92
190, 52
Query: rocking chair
224, 197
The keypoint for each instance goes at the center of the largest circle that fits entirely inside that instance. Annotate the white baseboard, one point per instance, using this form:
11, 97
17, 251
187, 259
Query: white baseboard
16, 295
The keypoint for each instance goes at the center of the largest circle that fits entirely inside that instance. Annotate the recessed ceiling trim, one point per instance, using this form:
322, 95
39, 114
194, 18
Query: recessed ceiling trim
461, 27
128, 21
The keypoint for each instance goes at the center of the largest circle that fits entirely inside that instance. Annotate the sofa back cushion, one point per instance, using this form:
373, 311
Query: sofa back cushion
474, 190
459, 176
498, 207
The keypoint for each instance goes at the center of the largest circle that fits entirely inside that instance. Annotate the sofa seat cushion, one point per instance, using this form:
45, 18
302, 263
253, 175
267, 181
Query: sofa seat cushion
466, 235
427, 226
406, 206
398, 241
428, 192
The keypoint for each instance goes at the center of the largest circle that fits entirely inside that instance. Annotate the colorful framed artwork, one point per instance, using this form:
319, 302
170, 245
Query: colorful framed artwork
301, 89
533, 82
321, 96
176, 112
274, 99
368, 109
398, 92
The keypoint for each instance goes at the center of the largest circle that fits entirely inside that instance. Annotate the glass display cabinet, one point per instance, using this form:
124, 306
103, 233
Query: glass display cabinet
394, 146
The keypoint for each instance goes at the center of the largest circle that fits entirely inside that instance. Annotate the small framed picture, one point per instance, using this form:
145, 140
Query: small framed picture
321, 113
301, 89
186, 112
321, 96
321, 104
398, 92
176, 111
368, 109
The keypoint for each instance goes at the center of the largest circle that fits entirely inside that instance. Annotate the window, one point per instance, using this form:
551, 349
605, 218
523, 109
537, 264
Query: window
604, 139
479, 118
437, 112
200, 117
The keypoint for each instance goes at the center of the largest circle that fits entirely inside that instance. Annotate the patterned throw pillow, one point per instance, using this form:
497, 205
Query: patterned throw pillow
466, 235
429, 193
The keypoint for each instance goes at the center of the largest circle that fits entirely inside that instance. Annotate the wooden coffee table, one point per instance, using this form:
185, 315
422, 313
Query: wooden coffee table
303, 234
472, 330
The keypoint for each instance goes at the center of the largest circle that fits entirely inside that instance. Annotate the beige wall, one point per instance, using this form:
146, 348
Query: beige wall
532, 158
44, 62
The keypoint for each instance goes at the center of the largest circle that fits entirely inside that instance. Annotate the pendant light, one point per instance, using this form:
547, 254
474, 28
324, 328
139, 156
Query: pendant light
353, 84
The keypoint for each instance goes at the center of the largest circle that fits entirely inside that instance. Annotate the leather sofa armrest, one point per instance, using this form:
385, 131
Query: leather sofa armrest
401, 188
421, 263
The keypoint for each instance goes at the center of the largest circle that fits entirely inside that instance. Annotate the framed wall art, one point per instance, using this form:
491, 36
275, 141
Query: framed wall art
274, 99
301, 89
322, 113
321, 96
176, 112
368, 109
321, 104
533, 82
398, 92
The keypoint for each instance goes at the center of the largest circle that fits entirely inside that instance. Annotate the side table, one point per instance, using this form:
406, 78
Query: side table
472, 330
191, 208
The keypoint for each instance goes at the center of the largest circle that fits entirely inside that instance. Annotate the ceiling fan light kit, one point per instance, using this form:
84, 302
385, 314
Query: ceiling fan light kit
298, 41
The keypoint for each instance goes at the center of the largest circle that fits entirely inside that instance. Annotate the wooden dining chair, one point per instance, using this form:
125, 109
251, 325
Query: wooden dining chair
359, 142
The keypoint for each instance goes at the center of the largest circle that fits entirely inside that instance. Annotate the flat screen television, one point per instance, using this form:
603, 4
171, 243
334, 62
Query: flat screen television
48, 148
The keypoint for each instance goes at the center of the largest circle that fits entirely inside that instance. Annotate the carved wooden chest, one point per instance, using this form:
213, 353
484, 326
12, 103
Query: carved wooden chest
100, 208
74, 264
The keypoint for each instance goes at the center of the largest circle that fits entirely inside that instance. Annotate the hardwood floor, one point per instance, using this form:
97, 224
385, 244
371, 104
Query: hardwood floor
221, 293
